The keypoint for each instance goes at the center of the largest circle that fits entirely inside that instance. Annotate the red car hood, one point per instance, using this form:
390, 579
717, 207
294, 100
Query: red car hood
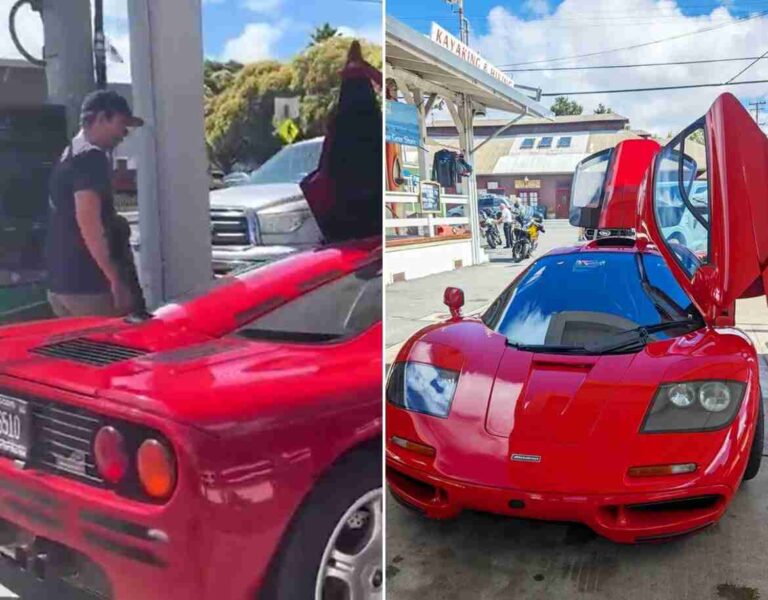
562, 416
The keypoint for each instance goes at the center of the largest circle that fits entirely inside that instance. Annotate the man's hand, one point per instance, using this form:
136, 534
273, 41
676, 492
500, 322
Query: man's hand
122, 297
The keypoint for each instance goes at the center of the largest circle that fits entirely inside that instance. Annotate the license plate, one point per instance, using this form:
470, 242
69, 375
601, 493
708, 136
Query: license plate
15, 427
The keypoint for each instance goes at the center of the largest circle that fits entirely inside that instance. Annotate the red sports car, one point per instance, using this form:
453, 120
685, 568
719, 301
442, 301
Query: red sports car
224, 445
607, 384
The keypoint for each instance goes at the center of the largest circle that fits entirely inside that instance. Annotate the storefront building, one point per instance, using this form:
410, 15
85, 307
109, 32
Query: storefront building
535, 159
431, 222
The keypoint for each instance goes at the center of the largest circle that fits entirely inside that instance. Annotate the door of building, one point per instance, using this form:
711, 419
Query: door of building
562, 199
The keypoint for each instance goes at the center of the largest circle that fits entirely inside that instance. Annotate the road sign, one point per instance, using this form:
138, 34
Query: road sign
288, 131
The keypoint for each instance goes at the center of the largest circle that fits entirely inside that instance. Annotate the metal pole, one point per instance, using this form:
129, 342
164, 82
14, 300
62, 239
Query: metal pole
68, 54
99, 44
463, 24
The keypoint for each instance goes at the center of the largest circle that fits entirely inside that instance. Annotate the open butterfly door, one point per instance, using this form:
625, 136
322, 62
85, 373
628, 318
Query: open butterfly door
605, 185
704, 203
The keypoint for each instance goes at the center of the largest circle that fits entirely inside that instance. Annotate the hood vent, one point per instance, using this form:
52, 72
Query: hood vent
89, 352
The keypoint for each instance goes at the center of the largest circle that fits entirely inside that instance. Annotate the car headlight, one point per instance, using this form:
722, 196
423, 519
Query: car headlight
287, 222
422, 388
694, 406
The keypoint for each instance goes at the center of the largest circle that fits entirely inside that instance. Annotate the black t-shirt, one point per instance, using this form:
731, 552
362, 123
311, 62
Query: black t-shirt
71, 268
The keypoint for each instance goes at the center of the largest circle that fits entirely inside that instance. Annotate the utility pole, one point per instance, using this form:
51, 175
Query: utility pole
463, 23
99, 44
68, 54
757, 106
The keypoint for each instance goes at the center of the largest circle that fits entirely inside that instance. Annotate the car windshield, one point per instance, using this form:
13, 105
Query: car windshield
607, 295
290, 165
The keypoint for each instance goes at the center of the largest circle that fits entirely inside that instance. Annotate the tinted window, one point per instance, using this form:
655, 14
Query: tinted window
290, 165
342, 308
527, 143
605, 295
546, 142
681, 199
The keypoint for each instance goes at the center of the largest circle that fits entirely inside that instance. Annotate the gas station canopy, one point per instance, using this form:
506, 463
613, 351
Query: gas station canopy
411, 51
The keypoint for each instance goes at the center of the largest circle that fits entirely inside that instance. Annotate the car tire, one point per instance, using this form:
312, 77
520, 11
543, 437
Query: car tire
756, 452
315, 533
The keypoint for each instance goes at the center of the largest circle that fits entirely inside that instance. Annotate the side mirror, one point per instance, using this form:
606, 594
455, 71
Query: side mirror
454, 300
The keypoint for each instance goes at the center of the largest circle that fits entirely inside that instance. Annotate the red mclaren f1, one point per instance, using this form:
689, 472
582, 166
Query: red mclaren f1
607, 384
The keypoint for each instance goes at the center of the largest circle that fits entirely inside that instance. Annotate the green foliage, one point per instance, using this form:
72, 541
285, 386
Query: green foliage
564, 106
239, 104
326, 32
603, 110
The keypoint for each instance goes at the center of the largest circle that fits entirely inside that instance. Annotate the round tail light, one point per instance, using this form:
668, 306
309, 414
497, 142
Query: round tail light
157, 469
111, 454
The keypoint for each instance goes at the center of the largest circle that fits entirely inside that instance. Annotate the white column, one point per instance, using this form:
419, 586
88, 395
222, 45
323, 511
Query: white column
468, 136
167, 74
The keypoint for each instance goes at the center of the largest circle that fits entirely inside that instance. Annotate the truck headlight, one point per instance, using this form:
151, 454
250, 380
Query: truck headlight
694, 406
285, 222
422, 388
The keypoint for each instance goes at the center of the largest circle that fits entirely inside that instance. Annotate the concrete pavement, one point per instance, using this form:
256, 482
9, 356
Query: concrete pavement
487, 557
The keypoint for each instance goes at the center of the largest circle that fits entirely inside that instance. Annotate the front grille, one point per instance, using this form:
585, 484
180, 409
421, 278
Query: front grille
229, 227
89, 352
63, 441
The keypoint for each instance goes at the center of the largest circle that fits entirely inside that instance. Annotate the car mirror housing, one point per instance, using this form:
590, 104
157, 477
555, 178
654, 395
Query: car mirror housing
454, 300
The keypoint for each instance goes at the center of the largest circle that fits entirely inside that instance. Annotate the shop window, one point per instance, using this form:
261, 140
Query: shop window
527, 143
564, 142
545, 142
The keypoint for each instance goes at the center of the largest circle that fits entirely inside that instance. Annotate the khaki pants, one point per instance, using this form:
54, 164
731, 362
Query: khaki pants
82, 305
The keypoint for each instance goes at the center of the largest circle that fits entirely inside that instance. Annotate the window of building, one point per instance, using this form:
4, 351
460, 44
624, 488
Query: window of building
527, 144
545, 142
564, 142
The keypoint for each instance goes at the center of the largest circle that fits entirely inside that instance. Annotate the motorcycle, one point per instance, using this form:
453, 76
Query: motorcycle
525, 237
489, 229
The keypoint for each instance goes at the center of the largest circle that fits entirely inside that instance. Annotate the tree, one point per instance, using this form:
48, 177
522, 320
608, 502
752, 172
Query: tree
238, 124
603, 110
326, 32
316, 79
564, 106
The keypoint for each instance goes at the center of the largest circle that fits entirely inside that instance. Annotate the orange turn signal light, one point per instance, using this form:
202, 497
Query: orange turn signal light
422, 449
157, 469
662, 470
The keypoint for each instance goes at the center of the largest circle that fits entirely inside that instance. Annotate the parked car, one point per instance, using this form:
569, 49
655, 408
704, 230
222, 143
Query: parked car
631, 403
227, 445
236, 178
269, 217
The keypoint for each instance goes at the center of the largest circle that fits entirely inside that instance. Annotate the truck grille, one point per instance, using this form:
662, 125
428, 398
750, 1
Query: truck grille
229, 227
63, 441
89, 352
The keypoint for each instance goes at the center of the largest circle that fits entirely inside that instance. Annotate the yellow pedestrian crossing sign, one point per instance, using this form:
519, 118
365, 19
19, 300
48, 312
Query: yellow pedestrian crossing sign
288, 131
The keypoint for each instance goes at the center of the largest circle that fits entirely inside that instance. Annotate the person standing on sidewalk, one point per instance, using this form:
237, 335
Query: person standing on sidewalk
86, 239
506, 220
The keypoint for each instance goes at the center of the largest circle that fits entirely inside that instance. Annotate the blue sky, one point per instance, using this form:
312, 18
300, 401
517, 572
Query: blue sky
514, 31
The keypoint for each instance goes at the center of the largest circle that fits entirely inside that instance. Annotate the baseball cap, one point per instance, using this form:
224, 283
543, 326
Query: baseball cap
109, 101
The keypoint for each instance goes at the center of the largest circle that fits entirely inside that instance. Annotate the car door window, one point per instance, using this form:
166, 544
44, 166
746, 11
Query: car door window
342, 308
681, 203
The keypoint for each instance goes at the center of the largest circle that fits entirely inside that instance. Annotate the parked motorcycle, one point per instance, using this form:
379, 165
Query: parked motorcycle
525, 237
490, 229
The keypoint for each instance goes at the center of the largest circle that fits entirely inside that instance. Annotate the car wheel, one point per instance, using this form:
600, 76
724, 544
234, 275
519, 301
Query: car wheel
333, 550
756, 452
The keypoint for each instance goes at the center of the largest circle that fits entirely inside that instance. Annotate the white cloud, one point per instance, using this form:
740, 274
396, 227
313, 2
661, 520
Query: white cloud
29, 28
569, 31
372, 32
264, 7
116, 9
256, 42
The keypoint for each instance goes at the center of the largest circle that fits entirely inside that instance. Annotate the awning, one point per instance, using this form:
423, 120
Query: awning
409, 50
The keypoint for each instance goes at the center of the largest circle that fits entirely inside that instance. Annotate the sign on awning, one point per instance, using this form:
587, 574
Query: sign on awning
402, 124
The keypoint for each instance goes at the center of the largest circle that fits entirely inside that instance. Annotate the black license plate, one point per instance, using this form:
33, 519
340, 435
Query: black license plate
15, 427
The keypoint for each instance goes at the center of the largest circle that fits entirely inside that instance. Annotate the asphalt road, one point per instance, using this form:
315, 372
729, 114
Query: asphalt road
487, 557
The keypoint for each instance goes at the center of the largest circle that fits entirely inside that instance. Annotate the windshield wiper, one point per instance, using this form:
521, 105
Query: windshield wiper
552, 349
638, 337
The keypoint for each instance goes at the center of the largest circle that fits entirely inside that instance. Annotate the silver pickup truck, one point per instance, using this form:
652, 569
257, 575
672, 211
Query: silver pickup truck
269, 217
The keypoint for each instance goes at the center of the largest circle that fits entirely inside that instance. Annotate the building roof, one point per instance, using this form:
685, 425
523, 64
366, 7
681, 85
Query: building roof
411, 51
525, 121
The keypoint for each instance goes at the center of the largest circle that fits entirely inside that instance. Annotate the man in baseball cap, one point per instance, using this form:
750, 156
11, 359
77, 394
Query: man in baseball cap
89, 272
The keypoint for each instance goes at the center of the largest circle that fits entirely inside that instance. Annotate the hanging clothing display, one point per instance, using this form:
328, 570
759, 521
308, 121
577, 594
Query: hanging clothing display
448, 167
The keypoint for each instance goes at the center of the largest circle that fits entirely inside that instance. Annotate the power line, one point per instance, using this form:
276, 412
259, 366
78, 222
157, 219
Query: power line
749, 66
631, 66
654, 89
643, 45
757, 104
